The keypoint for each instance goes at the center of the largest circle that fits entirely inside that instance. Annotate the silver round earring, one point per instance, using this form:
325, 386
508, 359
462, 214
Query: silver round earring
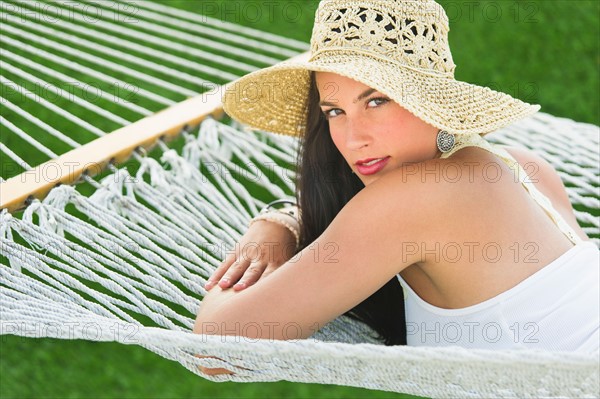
445, 141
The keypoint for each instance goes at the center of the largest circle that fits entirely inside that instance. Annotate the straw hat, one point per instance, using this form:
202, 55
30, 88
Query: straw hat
398, 47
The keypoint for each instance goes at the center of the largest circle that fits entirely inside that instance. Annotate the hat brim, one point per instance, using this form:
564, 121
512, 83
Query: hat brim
274, 99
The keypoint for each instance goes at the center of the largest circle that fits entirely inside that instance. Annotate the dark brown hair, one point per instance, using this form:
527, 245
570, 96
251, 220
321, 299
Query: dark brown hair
325, 183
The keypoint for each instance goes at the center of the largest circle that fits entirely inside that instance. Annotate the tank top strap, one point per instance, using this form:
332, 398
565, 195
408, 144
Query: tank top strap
475, 140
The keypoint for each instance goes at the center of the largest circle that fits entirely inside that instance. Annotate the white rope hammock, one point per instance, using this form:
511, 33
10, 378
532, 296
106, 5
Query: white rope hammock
131, 265
128, 263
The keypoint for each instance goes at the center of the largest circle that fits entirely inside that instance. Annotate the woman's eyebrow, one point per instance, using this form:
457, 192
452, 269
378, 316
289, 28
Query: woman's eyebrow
363, 95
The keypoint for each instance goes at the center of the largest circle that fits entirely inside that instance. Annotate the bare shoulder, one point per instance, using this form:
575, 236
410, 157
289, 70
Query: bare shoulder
543, 175
439, 199
471, 185
547, 180
417, 202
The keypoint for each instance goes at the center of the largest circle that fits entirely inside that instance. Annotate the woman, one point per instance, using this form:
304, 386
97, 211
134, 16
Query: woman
396, 177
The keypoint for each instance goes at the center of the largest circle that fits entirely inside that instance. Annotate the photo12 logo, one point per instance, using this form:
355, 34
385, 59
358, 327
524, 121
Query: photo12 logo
492, 11
92, 331
249, 11
472, 332
69, 11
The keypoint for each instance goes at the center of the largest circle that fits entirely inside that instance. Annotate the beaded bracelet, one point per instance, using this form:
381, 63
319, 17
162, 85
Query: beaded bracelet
287, 217
283, 219
292, 209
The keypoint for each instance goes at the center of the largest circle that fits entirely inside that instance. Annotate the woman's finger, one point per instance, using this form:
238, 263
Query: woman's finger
220, 271
269, 269
251, 276
234, 273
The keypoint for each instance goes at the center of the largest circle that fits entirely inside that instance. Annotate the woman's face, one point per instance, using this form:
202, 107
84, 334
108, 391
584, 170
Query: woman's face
374, 134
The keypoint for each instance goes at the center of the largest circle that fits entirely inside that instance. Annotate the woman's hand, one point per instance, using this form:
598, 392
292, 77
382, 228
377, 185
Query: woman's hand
265, 246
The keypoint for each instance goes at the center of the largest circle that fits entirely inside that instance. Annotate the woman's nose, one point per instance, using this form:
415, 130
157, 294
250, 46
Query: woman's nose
358, 135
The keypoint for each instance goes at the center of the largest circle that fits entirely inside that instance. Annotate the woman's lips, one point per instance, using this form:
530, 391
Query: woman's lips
372, 169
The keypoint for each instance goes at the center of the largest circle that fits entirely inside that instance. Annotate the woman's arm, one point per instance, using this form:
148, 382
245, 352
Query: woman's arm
357, 254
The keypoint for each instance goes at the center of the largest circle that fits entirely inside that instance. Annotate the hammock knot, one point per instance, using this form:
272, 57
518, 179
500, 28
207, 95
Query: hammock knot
46, 215
116, 191
208, 135
60, 196
192, 152
6, 220
181, 169
213, 142
156, 172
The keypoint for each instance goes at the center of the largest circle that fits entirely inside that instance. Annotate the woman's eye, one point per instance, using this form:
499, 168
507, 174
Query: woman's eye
378, 101
330, 113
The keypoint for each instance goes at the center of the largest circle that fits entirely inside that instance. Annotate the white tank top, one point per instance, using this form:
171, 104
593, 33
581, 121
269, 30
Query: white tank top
557, 308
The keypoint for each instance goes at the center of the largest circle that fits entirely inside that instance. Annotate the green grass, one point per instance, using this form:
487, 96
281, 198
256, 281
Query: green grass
543, 51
